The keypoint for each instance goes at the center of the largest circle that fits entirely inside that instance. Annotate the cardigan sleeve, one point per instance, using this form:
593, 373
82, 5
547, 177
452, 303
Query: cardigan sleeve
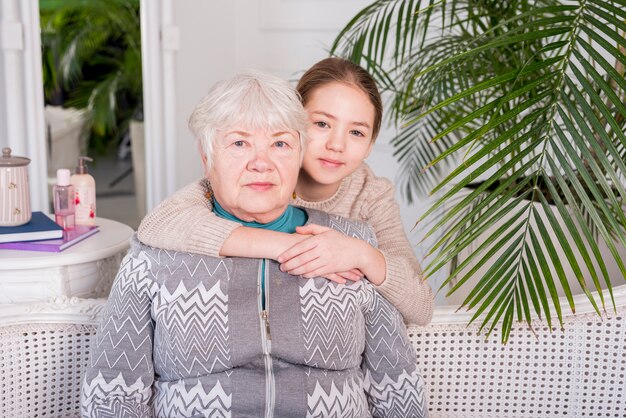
404, 285
118, 380
185, 222
392, 382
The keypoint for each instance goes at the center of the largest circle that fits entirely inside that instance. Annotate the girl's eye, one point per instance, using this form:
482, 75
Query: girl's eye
321, 124
357, 133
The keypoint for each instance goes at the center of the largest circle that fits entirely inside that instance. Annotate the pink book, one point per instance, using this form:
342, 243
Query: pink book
70, 237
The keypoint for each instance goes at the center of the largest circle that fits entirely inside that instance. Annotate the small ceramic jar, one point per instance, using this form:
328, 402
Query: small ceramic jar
14, 192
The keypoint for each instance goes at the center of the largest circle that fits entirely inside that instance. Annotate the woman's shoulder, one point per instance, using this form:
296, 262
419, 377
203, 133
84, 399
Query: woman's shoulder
173, 266
192, 194
197, 189
348, 226
164, 256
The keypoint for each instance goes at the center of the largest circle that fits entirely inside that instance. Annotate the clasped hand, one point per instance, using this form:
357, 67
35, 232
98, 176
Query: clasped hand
326, 253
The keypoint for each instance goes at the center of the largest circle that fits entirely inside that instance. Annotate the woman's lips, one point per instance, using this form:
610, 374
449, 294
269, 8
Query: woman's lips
326, 162
260, 186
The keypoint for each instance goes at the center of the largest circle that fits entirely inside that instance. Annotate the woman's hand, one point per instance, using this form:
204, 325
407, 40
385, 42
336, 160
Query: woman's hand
328, 253
342, 277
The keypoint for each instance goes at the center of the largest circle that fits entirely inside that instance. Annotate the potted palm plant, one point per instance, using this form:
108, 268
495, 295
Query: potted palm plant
512, 115
92, 61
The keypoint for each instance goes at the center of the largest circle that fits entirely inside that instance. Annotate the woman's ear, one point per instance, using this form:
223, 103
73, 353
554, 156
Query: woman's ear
207, 169
205, 165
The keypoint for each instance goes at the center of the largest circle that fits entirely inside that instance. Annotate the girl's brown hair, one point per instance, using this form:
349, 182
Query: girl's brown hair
343, 71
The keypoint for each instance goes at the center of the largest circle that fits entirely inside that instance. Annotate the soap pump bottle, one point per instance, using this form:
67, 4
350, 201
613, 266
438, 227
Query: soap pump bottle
84, 193
64, 208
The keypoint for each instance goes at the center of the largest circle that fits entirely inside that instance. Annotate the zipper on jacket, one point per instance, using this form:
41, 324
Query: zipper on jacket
266, 339
266, 317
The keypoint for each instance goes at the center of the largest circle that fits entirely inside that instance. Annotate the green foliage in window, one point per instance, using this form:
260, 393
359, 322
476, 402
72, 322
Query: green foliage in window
92, 61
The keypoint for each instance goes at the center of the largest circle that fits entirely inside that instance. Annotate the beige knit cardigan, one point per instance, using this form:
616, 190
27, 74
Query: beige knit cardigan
185, 222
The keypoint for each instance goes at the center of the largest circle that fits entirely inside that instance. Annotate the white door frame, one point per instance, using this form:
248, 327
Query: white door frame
159, 43
21, 93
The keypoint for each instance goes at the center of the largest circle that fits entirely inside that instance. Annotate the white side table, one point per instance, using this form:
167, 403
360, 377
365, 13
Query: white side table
50, 304
33, 282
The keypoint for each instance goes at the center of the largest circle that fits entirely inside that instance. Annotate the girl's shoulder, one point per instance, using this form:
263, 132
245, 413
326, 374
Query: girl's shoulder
372, 186
368, 180
371, 193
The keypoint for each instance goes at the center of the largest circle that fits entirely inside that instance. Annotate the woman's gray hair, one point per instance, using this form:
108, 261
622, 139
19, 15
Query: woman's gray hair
253, 99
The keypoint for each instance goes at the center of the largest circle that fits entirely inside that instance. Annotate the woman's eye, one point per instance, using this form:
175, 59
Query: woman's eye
320, 124
357, 133
239, 143
281, 144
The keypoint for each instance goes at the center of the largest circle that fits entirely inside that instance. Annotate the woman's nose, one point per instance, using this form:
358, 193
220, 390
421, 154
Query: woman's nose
336, 142
259, 161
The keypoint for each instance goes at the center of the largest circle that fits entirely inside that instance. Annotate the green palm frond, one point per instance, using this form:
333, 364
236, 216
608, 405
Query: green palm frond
530, 96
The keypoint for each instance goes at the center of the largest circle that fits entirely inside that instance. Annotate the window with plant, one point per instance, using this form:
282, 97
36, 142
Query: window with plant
92, 61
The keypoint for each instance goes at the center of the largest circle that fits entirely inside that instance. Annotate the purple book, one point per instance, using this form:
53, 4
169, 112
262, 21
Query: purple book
70, 237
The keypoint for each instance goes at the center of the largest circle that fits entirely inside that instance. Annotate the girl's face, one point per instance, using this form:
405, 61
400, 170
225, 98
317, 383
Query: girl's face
340, 134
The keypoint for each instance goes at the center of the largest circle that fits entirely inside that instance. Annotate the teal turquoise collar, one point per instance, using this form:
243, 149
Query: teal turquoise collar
286, 222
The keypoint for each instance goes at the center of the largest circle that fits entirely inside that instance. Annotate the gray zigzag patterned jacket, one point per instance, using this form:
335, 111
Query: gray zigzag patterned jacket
185, 335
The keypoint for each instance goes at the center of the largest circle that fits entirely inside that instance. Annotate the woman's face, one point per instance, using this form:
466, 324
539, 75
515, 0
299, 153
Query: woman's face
254, 172
340, 134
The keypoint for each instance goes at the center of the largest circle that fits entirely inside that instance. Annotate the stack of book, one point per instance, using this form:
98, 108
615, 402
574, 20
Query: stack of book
42, 234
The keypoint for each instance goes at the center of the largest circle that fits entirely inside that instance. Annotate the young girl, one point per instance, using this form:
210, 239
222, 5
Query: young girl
345, 111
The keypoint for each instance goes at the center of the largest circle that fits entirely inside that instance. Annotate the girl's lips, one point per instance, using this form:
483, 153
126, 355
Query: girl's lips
260, 186
330, 163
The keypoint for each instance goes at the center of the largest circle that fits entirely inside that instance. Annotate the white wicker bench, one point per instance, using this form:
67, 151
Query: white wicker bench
580, 372
42, 361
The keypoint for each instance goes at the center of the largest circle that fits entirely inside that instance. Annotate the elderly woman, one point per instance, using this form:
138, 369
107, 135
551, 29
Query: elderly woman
187, 335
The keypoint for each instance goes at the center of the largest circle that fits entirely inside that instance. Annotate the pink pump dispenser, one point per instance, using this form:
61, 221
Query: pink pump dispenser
84, 193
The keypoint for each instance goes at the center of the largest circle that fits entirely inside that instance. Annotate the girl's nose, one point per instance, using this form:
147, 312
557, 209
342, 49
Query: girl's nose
336, 142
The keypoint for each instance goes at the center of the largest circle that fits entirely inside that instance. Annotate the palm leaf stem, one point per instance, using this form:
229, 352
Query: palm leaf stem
572, 202
504, 192
585, 200
490, 252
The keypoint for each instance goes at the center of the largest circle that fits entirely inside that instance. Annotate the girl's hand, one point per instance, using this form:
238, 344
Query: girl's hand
327, 253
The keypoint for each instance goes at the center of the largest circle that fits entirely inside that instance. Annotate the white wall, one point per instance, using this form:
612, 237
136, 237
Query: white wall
220, 37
